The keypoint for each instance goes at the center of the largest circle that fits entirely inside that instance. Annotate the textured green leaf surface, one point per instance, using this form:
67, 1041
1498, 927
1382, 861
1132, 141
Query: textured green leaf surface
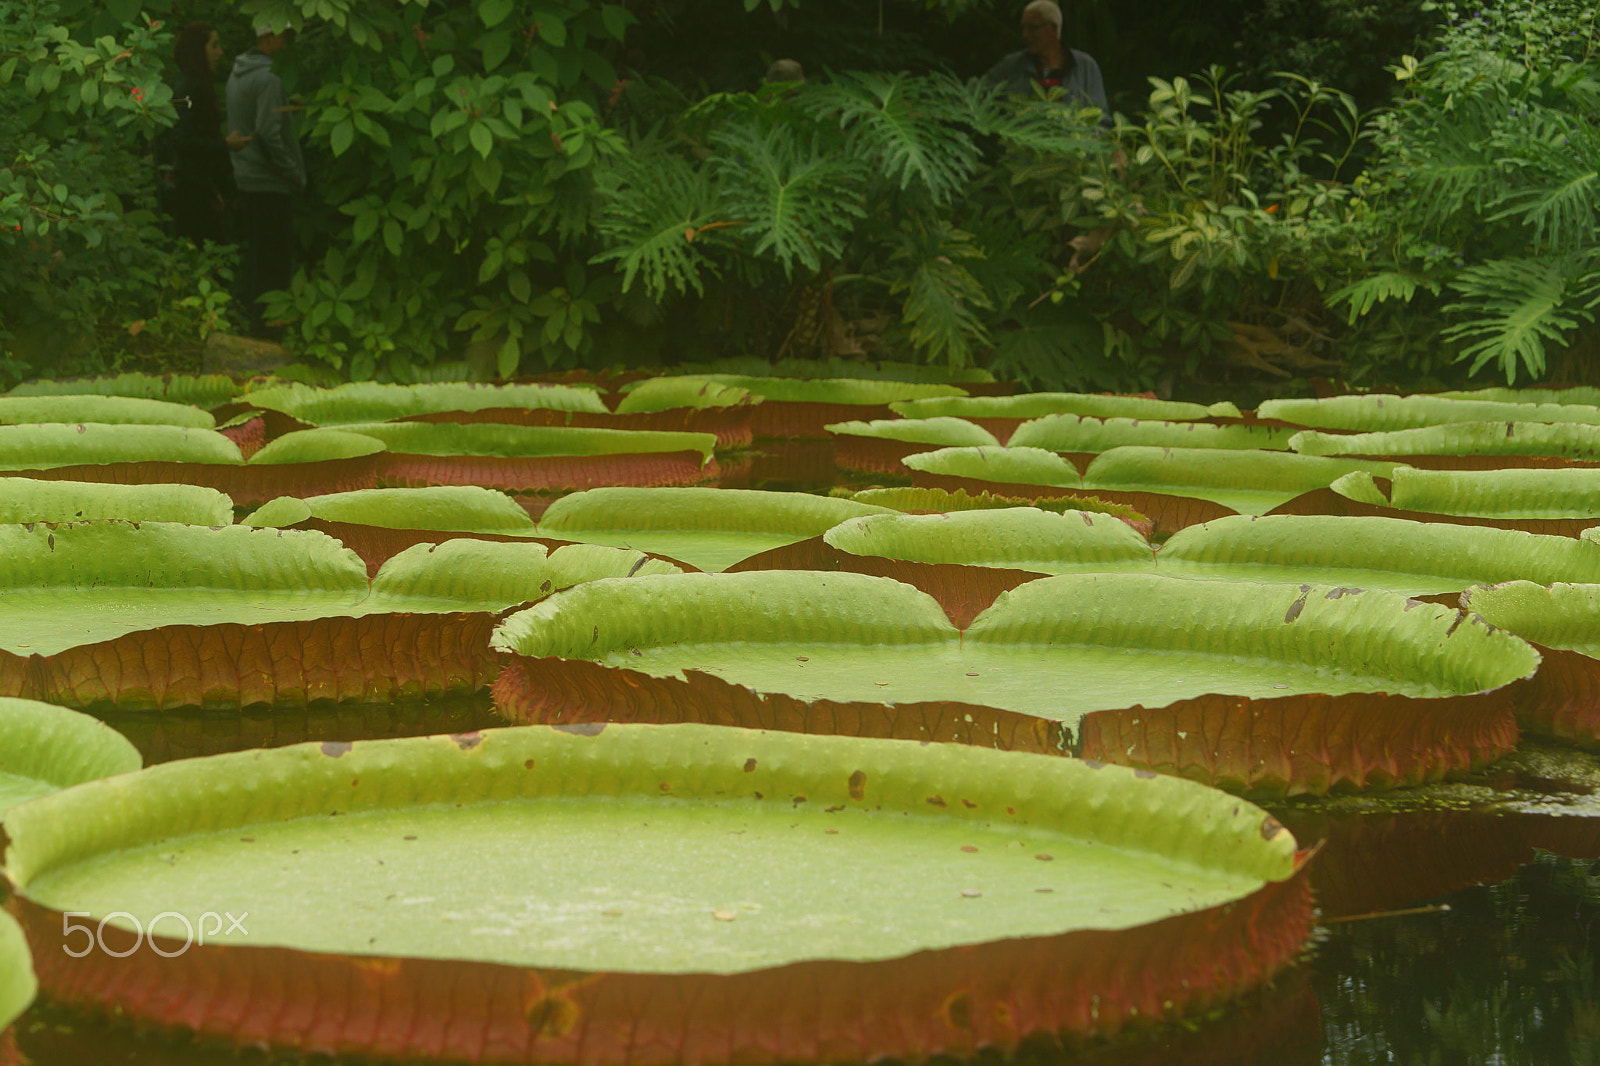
44, 748
942, 500
710, 529
1021, 538
934, 432
1076, 433
1569, 440
1561, 493
1121, 638
642, 848
111, 410
664, 394
488, 438
1413, 558
1017, 466
1586, 395
1555, 614
464, 508
1373, 412
835, 390
1042, 404
317, 445
206, 390
39, 447
368, 401
475, 575
17, 983
1250, 482
27, 500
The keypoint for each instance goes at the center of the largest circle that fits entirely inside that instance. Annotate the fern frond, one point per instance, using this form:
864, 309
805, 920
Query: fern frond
942, 296
902, 127
795, 204
654, 204
1513, 308
1364, 295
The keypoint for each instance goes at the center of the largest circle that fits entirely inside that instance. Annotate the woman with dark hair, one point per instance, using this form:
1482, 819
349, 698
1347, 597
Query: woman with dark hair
202, 176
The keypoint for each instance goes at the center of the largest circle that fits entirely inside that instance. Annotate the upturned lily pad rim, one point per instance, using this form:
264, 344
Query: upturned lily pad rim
18, 986
59, 748
24, 499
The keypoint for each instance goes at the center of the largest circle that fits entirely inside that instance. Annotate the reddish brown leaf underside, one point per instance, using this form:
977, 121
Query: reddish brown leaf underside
1167, 514
1328, 502
1563, 699
730, 424
247, 485
557, 473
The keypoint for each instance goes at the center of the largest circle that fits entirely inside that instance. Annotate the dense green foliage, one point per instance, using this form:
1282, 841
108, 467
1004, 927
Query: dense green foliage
533, 185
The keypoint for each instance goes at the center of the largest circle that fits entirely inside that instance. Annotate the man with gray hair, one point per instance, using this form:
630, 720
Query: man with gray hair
1046, 61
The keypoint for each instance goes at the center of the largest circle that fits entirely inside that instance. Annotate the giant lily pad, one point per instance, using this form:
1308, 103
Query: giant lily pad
1040, 404
368, 401
45, 748
653, 395
638, 918
457, 508
27, 500
206, 390
1124, 639
111, 410
1513, 494
1586, 395
1078, 433
877, 447
40, 447
1413, 558
710, 529
939, 501
1563, 619
1371, 412
18, 985
1249, 482
1021, 538
793, 408
1487, 439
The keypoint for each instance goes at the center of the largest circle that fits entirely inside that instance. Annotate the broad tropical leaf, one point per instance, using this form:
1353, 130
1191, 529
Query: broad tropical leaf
27, 500
111, 410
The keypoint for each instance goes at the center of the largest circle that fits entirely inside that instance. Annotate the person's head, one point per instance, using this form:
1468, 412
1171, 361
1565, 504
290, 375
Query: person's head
1041, 26
269, 40
784, 70
197, 50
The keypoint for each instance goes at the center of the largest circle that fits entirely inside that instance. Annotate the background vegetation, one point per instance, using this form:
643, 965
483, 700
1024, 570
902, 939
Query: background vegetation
1377, 194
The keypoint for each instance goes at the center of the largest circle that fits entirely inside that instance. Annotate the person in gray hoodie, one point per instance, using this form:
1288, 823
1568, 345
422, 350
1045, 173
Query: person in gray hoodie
268, 171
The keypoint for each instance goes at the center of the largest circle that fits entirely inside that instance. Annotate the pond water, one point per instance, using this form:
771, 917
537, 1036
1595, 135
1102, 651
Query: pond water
1461, 924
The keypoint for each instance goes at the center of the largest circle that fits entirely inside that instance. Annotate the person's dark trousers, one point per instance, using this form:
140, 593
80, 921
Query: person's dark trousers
267, 222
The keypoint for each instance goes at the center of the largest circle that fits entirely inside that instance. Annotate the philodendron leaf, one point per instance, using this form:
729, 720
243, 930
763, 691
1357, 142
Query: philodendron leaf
1249, 482
18, 986
1018, 466
488, 438
1372, 412
40, 447
1412, 558
832, 390
27, 500
1022, 538
317, 445
710, 529
45, 748
1560, 493
1568, 440
465, 508
934, 432
368, 401
111, 410
80, 583
1124, 639
664, 394
1075, 433
475, 575
1042, 404
206, 390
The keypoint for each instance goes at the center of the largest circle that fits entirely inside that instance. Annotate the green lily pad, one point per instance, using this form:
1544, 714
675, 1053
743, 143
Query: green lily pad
935, 432
1372, 412
111, 410
644, 873
368, 401
1124, 639
317, 445
1076, 433
1021, 538
1568, 440
45, 748
1556, 614
40, 447
1505, 494
1412, 558
18, 986
832, 390
1041, 404
1586, 395
665, 394
1249, 482
835, 367
1017, 466
492, 439
27, 500
205, 390
464, 508
942, 500
710, 529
